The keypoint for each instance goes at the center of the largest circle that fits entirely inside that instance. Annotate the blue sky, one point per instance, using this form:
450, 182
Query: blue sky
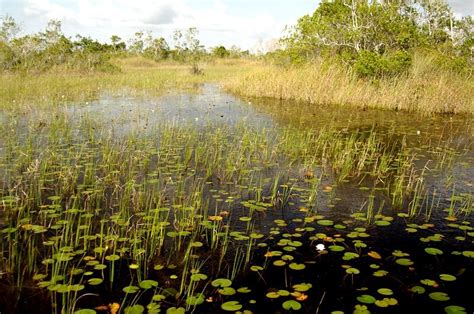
250, 24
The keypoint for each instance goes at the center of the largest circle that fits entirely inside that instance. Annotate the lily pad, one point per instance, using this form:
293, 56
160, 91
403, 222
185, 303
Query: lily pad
148, 284
385, 291
366, 298
95, 281
195, 299
469, 254
135, 309
174, 310
439, 296
291, 305
350, 255
454, 309
131, 289
352, 271
447, 277
325, 222
418, 289
302, 287
231, 306
296, 266
221, 282
336, 248
404, 261
433, 251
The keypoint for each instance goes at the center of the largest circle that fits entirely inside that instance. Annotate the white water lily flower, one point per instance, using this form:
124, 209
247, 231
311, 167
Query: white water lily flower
320, 247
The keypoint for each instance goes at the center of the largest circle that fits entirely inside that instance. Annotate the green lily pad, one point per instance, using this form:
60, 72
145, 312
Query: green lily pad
325, 222
418, 289
244, 290
352, 271
195, 299
350, 255
231, 306
95, 281
221, 282
428, 282
198, 277
381, 303
382, 223
433, 251
85, 311
113, 257
469, 254
380, 273
279, 263
454, 309
135, 309
385, 291
439, 296
148, 284
366, 298
404, 261
336, 248
296, 266
272, 295
174, 310
447, 277
291, 305
302, 287
227, 291
131, 289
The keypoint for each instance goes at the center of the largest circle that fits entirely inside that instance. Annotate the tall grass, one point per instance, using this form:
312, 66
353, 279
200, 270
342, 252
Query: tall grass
426, 88
138, 75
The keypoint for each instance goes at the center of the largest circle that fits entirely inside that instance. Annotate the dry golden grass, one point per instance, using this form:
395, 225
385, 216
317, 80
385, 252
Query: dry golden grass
425, 89
138, 75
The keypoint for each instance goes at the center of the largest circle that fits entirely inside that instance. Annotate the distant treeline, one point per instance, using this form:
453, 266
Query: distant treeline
378, 39
50, 48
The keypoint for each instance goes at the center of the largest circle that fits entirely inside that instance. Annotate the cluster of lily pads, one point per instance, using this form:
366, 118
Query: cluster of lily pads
226, 219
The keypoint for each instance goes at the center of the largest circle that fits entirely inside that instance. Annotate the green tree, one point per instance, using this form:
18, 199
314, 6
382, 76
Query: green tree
137, 43
220, 52
117, 43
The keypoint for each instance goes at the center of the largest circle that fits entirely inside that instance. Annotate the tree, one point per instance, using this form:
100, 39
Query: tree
187, 44
9, 29
220, 52
157, 48
377, 37
117, 43
137, 43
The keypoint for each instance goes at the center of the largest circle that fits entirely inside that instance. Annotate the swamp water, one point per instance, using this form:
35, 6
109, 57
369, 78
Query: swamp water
203, 202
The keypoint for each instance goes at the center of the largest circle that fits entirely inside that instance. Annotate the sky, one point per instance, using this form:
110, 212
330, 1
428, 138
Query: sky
249, 24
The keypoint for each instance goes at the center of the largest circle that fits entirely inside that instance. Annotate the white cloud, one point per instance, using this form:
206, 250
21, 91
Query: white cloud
217, 25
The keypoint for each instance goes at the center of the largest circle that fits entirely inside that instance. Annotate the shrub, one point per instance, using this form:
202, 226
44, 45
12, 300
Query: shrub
370, 64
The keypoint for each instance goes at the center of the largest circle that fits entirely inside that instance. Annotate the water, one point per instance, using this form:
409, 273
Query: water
333, 288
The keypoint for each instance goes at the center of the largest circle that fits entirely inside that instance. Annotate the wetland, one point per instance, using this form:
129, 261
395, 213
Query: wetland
202, 201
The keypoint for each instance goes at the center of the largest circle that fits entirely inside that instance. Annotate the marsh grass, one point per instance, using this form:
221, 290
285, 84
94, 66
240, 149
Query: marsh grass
137, 75
426, 89
153, 218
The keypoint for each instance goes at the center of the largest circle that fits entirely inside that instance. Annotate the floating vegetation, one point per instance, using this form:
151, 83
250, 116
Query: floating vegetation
210, 218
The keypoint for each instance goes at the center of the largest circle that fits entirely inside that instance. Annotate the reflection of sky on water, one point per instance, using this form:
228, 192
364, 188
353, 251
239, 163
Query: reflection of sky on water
210, 106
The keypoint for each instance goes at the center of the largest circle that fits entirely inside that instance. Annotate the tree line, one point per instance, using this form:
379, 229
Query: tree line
51, 48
